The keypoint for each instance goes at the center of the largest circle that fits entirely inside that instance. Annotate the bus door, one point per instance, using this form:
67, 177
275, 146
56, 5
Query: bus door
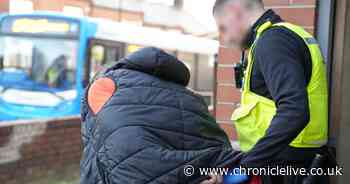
101, 55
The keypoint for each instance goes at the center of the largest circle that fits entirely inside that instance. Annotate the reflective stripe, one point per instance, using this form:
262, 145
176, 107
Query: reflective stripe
254, 116
310, 41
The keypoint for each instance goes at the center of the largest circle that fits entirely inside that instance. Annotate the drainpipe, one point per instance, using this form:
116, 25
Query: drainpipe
215, 84
179, 4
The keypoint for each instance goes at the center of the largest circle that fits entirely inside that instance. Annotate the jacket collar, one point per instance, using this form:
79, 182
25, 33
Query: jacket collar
269, 15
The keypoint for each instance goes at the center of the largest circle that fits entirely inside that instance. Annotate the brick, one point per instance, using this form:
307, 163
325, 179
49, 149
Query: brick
5, 134
310, 30
84, 4
276, 2
71, 124
224, 112
299, 16
72, 130
5, 177
44, 6
100, 12
228, 94
106, 13
54, 124
46, 151
229, 129
8, 167
302, 2
228, 56
4, 6
132, 16
225, 75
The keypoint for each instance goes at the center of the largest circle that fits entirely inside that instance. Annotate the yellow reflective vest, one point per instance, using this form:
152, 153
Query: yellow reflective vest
254, 116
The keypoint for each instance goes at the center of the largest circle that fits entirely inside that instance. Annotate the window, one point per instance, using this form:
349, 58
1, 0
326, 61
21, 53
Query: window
190, 61
21, 6
202, 73
73, 11
102, 57
205, 73
103, 54
37, 71
97, 59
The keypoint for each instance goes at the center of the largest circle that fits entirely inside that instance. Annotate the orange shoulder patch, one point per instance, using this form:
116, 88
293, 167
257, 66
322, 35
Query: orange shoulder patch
99, 93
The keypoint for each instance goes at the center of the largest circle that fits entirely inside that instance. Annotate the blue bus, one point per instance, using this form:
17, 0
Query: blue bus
46, 59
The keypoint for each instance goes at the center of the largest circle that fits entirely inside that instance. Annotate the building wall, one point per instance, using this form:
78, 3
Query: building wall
301, 12
4, 6
87, 7
40, 5
107, 13
31, 151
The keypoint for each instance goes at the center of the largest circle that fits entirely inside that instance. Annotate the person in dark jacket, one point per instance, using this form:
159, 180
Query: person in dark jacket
142, 126
282, 62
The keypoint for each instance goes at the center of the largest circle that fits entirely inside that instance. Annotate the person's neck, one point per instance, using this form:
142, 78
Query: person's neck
255, 16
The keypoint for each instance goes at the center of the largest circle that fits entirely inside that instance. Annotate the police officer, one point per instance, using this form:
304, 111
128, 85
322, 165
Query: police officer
282, 119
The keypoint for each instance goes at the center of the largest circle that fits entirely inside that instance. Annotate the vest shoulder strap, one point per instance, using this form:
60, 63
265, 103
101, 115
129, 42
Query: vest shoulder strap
306, 36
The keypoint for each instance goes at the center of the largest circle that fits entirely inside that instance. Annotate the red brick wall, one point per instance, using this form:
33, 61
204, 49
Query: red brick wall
4, 6
115, 15
55, 5
87, 6
42, 5
106, 13
33, 150
301, 12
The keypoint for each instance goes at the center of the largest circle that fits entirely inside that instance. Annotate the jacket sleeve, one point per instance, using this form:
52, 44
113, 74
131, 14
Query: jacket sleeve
279, 61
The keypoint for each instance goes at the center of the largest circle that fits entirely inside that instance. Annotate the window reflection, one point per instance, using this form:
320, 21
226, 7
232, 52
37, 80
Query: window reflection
37, 64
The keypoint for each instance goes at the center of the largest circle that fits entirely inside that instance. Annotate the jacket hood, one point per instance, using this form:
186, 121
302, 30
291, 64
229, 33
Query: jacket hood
158, 63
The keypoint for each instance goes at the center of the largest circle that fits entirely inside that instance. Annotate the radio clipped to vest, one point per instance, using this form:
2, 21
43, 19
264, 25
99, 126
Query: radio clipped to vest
239, 72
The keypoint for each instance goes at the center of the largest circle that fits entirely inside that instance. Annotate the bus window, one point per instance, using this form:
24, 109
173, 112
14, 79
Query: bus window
112, 54
97, 58
37, 64
103, 53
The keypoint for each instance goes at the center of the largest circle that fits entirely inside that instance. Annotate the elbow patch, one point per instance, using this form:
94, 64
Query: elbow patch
100, 92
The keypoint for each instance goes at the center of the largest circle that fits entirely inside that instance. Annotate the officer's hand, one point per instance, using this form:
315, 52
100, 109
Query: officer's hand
214, 179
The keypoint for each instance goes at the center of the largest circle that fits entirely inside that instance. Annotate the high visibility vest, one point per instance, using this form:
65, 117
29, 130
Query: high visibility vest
254, 116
